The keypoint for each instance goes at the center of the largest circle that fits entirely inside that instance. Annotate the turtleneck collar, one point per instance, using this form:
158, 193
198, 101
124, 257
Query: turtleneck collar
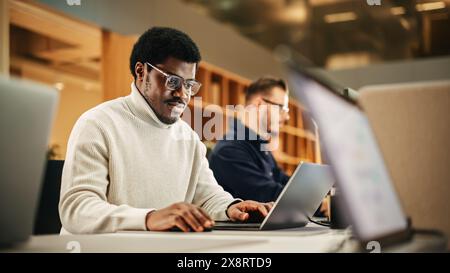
140, 108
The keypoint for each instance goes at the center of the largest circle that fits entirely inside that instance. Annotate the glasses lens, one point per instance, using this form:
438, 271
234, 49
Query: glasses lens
173, 82
282, 108
192, 87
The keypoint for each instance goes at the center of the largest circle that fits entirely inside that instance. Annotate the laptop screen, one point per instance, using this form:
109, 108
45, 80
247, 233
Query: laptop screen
370, 199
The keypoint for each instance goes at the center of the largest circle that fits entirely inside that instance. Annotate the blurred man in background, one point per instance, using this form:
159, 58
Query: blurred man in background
246, 167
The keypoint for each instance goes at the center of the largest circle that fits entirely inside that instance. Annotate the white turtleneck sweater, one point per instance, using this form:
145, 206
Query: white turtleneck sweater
123, 162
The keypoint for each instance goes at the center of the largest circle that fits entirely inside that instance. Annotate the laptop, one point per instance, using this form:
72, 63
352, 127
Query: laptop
27, 114
368, 196
296, 204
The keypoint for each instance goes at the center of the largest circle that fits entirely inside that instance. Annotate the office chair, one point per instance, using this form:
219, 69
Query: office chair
47, 217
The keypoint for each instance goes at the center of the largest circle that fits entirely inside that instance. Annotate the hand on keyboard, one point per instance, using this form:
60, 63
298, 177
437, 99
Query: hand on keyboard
254, 217
249, 211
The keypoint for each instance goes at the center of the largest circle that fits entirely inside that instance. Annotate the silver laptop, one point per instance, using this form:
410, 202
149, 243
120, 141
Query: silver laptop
369, 198
27, 111
296, 204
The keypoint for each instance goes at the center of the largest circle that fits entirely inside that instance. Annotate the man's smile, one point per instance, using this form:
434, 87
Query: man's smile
176, 107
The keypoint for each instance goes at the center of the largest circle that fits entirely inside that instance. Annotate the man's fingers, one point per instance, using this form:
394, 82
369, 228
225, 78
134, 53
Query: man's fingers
255, 207
201, 218
263, 210
324, 209
246, 207
237, 214
206, 215
190, 219
181, 224
243, 216
268, 206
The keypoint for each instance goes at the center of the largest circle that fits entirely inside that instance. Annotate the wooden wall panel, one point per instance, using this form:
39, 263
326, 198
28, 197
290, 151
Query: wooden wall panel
115, 73
4, 37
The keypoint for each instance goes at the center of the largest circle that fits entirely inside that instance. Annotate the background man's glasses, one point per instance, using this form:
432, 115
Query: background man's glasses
174, 82
283, 108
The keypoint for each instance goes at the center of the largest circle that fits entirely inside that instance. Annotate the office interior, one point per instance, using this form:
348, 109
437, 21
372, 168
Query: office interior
82, 49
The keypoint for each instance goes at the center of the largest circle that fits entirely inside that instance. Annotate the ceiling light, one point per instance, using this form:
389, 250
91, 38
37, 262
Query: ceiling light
430, 6
294, 13
340, 17
59, 86
326, 2
398, 10
226, 4
405, 23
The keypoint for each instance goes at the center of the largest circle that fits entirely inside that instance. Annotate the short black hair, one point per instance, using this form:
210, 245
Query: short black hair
159, 43
264, 86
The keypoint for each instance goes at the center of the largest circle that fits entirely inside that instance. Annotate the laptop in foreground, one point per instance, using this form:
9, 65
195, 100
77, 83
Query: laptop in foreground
27, 114
369, 198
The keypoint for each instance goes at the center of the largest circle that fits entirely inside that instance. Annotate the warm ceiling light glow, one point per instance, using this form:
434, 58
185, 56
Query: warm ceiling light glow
340, 17
294, 13
59, 86
350, 60
326, 2
398, 10
430, 6
405, 23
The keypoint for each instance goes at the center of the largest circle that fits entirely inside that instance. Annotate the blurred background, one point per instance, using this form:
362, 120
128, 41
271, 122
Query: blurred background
339, 34
82, 47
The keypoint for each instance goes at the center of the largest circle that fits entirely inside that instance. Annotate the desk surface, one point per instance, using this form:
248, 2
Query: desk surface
311, 238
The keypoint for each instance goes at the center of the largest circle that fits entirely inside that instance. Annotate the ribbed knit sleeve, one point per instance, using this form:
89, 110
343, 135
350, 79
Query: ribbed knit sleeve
209, 194
83, 203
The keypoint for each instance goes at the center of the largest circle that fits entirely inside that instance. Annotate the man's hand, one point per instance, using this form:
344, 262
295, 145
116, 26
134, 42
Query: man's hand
185, 216
325, 207
240, 211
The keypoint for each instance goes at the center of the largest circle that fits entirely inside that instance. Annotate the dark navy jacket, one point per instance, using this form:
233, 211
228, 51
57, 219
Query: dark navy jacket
243, 169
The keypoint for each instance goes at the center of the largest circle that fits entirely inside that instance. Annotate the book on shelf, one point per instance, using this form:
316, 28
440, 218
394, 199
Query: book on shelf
215, 93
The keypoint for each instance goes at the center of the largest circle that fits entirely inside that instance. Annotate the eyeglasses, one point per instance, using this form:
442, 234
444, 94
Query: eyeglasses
174, 82
283, 108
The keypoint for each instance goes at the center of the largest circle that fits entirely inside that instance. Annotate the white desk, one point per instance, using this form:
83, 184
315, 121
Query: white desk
309, 239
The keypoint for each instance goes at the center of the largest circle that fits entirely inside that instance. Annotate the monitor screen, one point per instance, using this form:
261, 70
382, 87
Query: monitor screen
362, 177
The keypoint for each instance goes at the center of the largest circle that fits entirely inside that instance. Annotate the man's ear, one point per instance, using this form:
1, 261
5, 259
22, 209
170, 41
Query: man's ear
139, 71
257, 100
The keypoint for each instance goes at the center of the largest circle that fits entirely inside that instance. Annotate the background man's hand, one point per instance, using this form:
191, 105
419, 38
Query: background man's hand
185, 216
240, 211
325, 207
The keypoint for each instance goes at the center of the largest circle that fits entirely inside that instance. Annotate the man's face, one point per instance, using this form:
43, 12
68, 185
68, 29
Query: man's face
273, 103
168, 105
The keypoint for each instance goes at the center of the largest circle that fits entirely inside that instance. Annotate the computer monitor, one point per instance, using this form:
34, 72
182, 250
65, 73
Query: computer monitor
369, 198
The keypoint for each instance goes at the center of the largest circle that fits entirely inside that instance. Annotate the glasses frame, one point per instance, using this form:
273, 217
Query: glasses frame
183, 81
283, 107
